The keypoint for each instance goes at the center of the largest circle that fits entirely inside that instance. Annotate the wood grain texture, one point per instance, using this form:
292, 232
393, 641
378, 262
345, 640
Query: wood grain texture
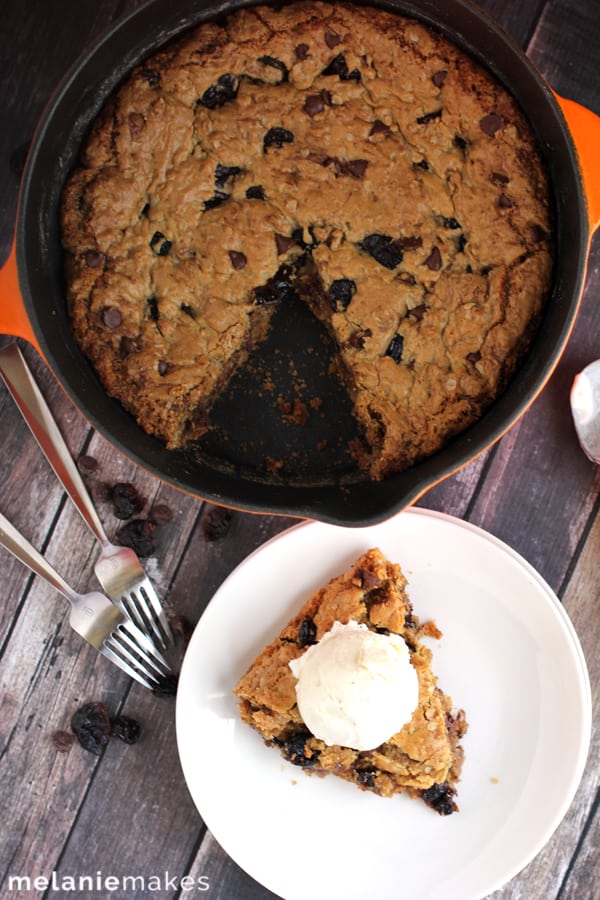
129, 812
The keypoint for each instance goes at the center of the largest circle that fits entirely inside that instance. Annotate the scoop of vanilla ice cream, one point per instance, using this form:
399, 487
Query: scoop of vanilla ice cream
356, 688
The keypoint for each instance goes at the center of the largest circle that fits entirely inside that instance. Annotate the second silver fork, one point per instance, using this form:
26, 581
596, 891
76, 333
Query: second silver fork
118, 569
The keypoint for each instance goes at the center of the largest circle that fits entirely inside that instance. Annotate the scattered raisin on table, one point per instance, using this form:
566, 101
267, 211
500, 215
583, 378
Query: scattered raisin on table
216, 523
63, 740
126, 500
126, 729
138, 535
91, 725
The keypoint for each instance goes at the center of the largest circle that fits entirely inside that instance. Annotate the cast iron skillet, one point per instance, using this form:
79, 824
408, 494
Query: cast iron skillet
229, 470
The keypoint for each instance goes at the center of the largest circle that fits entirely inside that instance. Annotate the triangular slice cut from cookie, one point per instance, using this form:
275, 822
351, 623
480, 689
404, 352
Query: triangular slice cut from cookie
424, 758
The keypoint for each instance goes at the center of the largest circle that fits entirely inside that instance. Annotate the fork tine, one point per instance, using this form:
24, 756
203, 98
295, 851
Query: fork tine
139, 606
147, 653
123, 664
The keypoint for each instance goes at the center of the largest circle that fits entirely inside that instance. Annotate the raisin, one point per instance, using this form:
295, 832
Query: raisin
160, 245
450, 222
222, 173
301, 51
256, 192
341, 292
276, 290
163, 367
380, 127
460, 142
126, 500
298, 236
395, 348
126, 729
440, 797
187, 309
429, 117
153, 308
91, 725
366, 777
216, 523
504, 201
221, 92
439, 78
422, 164
307, 633
417, 312
338, 66
276, 64
138, 535
277, 137
474, 357
294, 751
383, 249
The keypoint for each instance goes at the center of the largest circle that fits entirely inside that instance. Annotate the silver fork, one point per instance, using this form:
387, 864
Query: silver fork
94, 617
118, 569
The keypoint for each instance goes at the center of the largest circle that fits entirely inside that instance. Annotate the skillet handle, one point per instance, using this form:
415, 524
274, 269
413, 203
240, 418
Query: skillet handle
585, 131
13, 317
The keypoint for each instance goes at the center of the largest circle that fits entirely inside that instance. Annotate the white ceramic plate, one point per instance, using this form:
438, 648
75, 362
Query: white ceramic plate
509, 656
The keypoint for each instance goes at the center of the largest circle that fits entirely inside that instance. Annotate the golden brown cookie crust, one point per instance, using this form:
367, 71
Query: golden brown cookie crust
357, 148
425, 754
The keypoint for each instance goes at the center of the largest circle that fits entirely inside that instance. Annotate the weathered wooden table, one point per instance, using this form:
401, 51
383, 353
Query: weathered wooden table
129, 812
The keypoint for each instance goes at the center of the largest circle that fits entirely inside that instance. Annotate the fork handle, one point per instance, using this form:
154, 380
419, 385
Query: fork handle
20, 547
35, 411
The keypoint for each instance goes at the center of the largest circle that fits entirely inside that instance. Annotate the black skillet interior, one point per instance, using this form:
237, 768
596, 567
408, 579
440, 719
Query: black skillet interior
259, 458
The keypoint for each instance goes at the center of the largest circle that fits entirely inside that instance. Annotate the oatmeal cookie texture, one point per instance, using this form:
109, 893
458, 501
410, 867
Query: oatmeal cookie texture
348, 154
425, 757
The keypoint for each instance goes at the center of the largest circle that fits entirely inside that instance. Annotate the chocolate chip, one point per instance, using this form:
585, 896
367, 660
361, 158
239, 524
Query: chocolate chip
111, 317
422, 164
417, 312
341, 292
395, 348
301, 51
409, 243
87, 465
314, 104
160, 245
256, 192
63, 741
355, 167
163, 367
136, 124
383, 249
491, 123
499, 178
93, 259
277, 137
450, 222
221, 92
338, 66
380, 127
153, 308
332, 39
357, 338
474, 357
275, 64
538, 234
284, 243
504, 201
460, 142
439, 77
434, 260
161, 514
238, 259
429, 117
128, 346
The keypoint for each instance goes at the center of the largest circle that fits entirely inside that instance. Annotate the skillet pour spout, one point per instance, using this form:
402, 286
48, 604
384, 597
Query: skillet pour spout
33, 289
